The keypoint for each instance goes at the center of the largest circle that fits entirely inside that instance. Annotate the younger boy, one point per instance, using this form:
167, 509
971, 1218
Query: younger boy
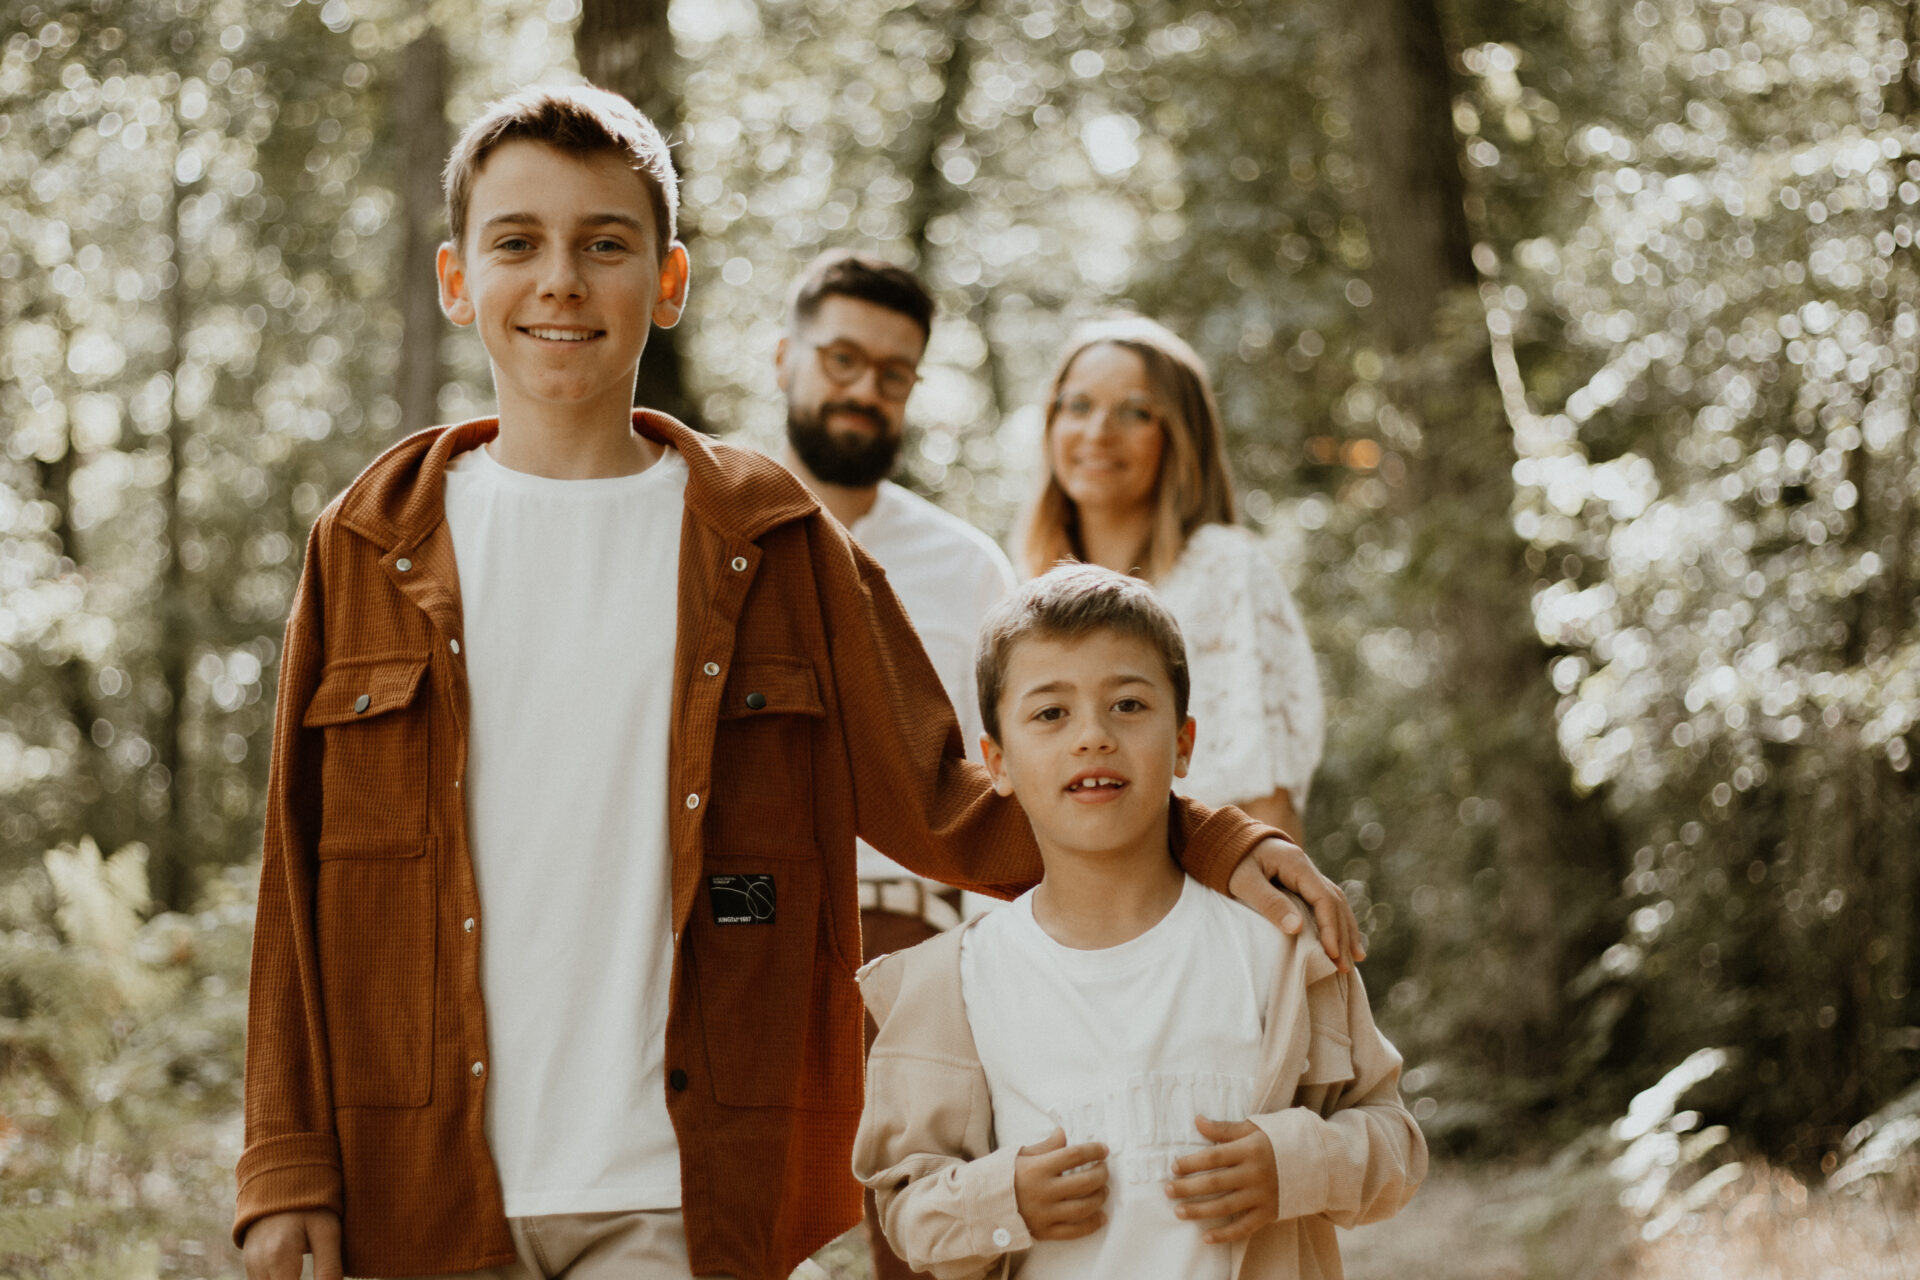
1121, 1074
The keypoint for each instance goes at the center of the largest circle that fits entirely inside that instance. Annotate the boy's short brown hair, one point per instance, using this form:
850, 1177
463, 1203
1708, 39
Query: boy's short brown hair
1067, 602
863, 276
578, 119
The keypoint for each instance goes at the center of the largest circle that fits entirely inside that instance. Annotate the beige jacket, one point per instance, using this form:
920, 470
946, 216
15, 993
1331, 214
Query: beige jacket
1328, 1098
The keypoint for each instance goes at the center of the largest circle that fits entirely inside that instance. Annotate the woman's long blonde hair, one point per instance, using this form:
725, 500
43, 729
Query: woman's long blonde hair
1193, 487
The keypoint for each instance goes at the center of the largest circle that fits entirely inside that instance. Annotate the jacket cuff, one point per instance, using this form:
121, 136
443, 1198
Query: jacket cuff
1213, 842
1300, 1157
993, 1211
296, 1171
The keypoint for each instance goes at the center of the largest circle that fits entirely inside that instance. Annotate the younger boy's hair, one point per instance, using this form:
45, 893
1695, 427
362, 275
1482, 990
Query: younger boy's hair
1065, 603
862, 276
580, 120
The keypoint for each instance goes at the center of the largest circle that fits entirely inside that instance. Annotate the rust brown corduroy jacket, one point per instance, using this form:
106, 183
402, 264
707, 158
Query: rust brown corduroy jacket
805, 714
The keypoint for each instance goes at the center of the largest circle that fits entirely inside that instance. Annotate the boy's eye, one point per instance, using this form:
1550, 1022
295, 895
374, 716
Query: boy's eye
515, 244
1050, 713
606, 246
1129, 704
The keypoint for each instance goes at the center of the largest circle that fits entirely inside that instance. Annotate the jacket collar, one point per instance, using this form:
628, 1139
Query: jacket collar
399, 499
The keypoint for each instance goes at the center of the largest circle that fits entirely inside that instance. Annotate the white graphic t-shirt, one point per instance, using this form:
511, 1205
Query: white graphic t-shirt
1124, 1046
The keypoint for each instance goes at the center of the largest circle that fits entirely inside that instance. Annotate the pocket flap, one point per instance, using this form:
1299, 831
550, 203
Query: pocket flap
357, 688
760, 686
1329, 1056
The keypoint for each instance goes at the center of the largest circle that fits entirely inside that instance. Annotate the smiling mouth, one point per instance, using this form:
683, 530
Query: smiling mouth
1095, 784
561, 335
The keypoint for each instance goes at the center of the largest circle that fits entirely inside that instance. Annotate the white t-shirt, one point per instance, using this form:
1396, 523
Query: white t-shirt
1256, 694
569, 590
947, 575
1123, 1046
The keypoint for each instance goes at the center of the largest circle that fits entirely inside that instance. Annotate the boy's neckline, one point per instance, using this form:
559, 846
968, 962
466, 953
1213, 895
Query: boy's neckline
555, 458
479, 462
1083, 927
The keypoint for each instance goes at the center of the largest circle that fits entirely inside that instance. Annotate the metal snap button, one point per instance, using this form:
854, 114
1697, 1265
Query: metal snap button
403, 564
479, 1069
362, 702
712, 668
455, 644
693, 801
755, 701
678, 1079
739, 564
467, 924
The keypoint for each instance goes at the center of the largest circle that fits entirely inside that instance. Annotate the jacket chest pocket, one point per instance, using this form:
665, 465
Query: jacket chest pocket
763, 760
374, 761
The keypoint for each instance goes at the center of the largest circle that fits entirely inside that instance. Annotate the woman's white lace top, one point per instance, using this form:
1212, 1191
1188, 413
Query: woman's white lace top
1256, 691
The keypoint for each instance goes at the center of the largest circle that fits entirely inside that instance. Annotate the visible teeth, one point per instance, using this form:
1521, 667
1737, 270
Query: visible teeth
1098, 782
561, 335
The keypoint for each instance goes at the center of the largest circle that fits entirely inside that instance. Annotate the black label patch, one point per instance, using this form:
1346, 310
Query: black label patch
741, 899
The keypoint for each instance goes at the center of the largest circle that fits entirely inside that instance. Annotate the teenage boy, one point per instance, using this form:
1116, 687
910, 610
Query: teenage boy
857, 326
1121, 1074
578, 717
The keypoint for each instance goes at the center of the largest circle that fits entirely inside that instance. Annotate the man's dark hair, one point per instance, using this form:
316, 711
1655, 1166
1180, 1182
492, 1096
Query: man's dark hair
862, 276
580, 120
1065, 603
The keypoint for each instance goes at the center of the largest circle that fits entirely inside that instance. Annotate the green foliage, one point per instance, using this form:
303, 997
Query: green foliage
195, 271
1712, 301
120, 1041
1657, 457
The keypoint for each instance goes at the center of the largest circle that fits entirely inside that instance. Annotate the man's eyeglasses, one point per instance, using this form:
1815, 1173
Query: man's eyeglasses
845, 363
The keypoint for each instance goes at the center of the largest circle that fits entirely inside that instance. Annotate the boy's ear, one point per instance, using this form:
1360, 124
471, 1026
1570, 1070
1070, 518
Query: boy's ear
671, 299
1183, 748
996, 762
453, 285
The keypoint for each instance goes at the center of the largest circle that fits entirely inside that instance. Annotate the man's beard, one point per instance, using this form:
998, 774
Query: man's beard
853, 461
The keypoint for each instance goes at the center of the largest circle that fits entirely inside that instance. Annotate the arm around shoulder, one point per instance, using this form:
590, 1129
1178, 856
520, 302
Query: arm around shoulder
1348, 1148
916, 797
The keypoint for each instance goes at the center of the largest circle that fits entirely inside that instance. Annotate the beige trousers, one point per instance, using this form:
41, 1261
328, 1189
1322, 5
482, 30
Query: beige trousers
639, 1244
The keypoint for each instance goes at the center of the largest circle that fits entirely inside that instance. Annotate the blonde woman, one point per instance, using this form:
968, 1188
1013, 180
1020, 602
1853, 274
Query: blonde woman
1137, 481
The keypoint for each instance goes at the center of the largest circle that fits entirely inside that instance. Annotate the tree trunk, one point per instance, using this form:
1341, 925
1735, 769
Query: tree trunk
1552, 855
421, 104
626, 46
168, 871
933, 195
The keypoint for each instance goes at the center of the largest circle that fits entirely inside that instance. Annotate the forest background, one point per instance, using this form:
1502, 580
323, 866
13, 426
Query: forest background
1568, 349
